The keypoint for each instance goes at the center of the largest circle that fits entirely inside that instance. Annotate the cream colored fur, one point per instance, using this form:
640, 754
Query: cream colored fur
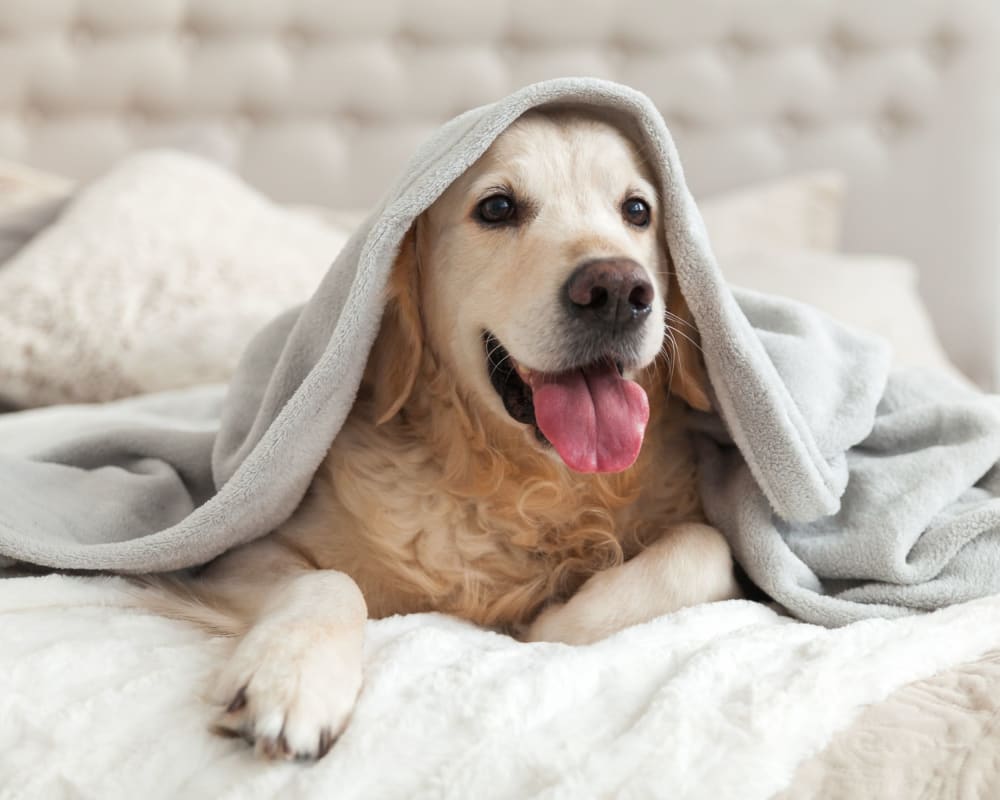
433, 498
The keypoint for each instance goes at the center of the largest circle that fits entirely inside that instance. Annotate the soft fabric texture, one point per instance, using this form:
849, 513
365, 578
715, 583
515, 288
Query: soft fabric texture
173, 268
845, 494
29, 201
934, 738
154, 277
875, 293
801, 212
717, 702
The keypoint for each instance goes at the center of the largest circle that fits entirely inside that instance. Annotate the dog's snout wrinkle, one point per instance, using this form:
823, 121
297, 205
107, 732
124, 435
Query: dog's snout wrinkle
614, 293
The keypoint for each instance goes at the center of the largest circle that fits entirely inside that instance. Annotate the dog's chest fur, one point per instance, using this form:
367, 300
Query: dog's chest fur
424, 519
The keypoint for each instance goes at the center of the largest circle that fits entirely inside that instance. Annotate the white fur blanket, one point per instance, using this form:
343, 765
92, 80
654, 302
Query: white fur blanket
719, 701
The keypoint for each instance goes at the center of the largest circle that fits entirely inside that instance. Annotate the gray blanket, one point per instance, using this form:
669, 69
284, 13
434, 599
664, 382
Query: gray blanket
846, 493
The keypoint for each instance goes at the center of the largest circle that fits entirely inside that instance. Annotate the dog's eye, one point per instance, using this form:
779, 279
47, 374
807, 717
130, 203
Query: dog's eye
497, 208
636, 211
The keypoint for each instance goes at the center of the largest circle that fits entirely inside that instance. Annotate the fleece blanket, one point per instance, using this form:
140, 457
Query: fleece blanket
845, 492
727, 700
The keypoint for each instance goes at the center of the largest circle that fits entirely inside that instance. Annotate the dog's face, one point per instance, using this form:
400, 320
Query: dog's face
541, 275
549, 244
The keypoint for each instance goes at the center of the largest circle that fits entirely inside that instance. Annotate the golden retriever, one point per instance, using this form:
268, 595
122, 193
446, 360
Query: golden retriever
517, 454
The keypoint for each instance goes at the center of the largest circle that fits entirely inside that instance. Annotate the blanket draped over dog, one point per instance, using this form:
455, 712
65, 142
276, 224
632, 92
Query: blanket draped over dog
846, 492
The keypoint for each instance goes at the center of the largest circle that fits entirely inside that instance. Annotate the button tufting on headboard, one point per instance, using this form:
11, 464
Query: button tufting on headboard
322, 102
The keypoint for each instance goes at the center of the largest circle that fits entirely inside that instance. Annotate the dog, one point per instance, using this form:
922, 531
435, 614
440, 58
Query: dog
517, 454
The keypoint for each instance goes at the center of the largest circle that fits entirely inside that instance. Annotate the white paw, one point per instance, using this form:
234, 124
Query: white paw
560, 623
289, 689
593, 613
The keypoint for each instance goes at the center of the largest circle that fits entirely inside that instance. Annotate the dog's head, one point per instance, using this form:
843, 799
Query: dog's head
540, 280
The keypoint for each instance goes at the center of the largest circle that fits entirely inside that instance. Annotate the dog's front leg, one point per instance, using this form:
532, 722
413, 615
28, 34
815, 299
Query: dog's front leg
690, 564
292, 681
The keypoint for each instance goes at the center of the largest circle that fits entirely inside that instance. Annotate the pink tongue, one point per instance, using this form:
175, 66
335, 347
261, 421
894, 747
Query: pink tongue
593, 417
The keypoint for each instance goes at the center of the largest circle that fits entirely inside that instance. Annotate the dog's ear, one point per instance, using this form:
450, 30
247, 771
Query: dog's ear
395, 359
688, 377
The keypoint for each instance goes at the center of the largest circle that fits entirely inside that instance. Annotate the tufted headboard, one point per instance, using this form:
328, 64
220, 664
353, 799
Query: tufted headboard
323, 100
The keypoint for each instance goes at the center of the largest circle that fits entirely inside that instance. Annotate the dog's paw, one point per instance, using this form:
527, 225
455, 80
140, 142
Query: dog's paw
290, 690
595, 612
559, 623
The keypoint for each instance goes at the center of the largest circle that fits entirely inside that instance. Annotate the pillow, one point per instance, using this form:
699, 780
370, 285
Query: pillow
155, 276
876, 293
29, 200
799, 212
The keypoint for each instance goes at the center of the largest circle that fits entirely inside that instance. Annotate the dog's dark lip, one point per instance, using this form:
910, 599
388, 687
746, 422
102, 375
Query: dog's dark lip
515, 394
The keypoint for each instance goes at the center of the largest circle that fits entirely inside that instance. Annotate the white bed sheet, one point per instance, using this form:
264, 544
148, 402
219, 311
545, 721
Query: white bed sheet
724, 700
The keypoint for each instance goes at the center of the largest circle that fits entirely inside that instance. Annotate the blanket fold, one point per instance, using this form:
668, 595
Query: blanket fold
845, 492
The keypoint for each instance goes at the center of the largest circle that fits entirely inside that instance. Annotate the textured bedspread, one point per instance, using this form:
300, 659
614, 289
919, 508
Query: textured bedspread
722, 701
931, 739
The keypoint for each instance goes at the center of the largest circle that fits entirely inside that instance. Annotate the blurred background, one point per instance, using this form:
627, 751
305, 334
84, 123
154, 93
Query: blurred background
817, 132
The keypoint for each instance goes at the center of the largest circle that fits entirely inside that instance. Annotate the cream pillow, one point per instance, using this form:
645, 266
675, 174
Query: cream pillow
29, 200
876, 293
154, 276
799, 212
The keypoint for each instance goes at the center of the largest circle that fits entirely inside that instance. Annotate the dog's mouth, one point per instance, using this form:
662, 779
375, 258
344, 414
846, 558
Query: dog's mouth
592, 415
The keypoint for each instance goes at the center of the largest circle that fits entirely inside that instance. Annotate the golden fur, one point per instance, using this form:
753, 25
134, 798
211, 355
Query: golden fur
433, 498
448, 511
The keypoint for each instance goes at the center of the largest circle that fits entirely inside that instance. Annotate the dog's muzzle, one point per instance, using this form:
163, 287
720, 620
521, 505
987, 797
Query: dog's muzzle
591, 414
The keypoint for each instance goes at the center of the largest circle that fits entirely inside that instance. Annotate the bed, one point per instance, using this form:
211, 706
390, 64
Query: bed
891, 117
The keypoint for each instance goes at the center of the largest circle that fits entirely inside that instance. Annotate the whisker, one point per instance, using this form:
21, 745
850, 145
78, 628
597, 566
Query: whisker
489, 357
671, 360
677, 318
498, 365
694, 343
490, 353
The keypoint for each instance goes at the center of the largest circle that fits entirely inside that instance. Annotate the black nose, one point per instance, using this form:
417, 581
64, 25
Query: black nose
609, 292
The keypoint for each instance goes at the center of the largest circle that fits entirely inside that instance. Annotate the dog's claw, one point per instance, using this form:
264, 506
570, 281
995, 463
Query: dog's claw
289, 696
232, 724
326, 740
274, 748
238, 701
227, 732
